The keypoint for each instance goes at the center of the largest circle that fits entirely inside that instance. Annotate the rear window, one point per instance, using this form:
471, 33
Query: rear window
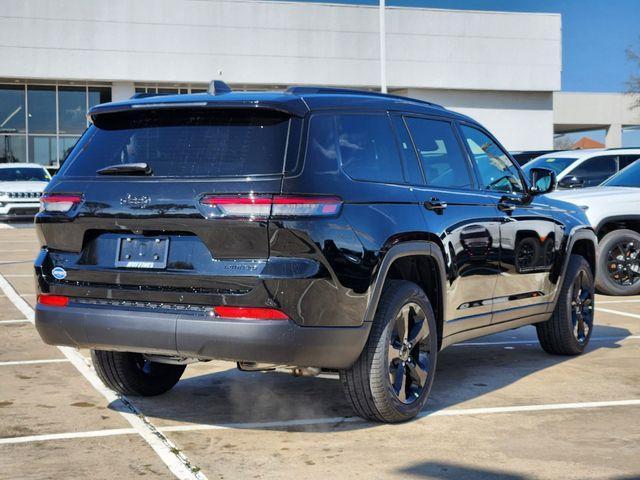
185, 142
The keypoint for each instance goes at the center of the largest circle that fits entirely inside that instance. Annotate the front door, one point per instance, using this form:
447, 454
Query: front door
466, 222
529, 237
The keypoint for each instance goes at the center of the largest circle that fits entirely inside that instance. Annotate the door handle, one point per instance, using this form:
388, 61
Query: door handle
505, 206
435, 205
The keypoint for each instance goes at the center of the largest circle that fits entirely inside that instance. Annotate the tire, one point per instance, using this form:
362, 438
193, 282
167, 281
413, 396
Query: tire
373, 384
132, 374
569, 329
604, 280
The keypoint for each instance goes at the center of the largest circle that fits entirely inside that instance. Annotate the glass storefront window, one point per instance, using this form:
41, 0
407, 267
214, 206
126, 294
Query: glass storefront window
41, 102
47, 128
99, 95
72, 109
13, 148
12, 116
43, 150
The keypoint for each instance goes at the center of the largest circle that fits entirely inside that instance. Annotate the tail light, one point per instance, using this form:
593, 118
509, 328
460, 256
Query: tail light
59, 203
260, 207
53, 300
250, 313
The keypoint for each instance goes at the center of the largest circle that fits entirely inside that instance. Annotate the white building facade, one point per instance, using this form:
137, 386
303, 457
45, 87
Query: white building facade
59, 58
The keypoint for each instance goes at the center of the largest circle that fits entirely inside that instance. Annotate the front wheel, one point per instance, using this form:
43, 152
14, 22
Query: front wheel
392, 378
619, 263
133, 374
569, 329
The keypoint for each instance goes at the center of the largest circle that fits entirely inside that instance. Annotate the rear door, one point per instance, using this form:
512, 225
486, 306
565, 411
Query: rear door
466, 222
204, 166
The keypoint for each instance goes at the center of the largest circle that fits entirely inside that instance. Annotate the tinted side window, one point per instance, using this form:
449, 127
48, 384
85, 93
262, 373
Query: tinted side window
443, 162
412, 171
626, 160
368, 148
497, 171
595, 170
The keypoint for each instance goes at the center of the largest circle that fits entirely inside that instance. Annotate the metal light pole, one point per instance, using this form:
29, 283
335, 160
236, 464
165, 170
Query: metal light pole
383, 48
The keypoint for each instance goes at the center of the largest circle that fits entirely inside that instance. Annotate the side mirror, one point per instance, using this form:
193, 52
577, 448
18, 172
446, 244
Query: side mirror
571, 182
543, 180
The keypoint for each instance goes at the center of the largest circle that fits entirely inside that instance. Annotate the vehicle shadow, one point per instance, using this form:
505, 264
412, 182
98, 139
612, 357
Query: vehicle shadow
273, 400
442, 470
447, 471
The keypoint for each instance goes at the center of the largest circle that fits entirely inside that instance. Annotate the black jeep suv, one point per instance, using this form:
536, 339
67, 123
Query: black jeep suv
309, 229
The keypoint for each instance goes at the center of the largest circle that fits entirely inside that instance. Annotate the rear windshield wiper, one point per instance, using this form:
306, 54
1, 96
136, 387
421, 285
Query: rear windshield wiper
126, 169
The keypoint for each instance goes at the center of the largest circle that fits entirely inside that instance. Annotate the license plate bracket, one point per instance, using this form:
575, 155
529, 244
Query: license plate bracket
142, 252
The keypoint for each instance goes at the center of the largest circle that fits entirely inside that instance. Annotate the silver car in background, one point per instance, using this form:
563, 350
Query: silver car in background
21, 185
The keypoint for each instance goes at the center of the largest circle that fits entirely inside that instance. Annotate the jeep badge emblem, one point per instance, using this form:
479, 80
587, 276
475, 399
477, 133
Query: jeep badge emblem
59, 273
135, 202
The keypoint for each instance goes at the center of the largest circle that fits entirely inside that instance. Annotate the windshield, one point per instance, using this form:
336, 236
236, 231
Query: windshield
24, 174
186, 142
557, 164
627, 177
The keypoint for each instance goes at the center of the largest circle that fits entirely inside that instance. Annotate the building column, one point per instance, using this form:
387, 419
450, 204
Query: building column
122, 91
613, 139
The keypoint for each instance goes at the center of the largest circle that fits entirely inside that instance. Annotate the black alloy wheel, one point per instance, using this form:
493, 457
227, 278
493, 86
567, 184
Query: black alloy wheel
623, 264
582, 307
408, 364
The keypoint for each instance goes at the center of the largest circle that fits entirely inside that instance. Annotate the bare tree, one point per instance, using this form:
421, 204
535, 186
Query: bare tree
633, 84
562, 142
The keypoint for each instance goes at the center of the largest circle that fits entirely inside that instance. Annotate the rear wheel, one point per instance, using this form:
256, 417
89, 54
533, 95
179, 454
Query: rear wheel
133, 374
619, 263
391, 380
569, 329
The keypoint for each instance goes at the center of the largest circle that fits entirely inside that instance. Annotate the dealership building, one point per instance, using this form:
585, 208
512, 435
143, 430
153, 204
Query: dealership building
57, 59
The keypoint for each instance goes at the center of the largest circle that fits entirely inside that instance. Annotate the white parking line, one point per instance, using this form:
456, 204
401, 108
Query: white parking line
173, 458
33, 362
535, 341
602, 302
6, 226
30, 250
67, 436
447, 412
17, 275
617, 312
24, 320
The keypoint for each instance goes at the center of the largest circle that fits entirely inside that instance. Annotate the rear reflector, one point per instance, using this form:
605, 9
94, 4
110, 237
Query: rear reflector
250, 313
53, 300
58, 203
268, 206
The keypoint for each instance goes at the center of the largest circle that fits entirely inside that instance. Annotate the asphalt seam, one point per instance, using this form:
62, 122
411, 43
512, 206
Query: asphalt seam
336, 421
172, 457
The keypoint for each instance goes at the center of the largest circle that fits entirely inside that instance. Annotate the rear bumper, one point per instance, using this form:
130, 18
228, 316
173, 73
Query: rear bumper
200, 336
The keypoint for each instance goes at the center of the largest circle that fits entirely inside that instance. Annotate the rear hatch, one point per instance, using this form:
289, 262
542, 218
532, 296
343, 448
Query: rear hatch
147, 202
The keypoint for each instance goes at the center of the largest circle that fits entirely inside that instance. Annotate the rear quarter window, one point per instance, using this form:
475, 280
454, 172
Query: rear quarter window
364, 144
185, 142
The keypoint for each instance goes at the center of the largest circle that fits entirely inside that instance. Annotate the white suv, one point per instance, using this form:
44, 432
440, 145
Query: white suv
613, 209
21, 185
585, 168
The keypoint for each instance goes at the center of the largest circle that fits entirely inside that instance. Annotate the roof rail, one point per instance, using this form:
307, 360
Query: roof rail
218, 87
352, 91
149, 94
622, 148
